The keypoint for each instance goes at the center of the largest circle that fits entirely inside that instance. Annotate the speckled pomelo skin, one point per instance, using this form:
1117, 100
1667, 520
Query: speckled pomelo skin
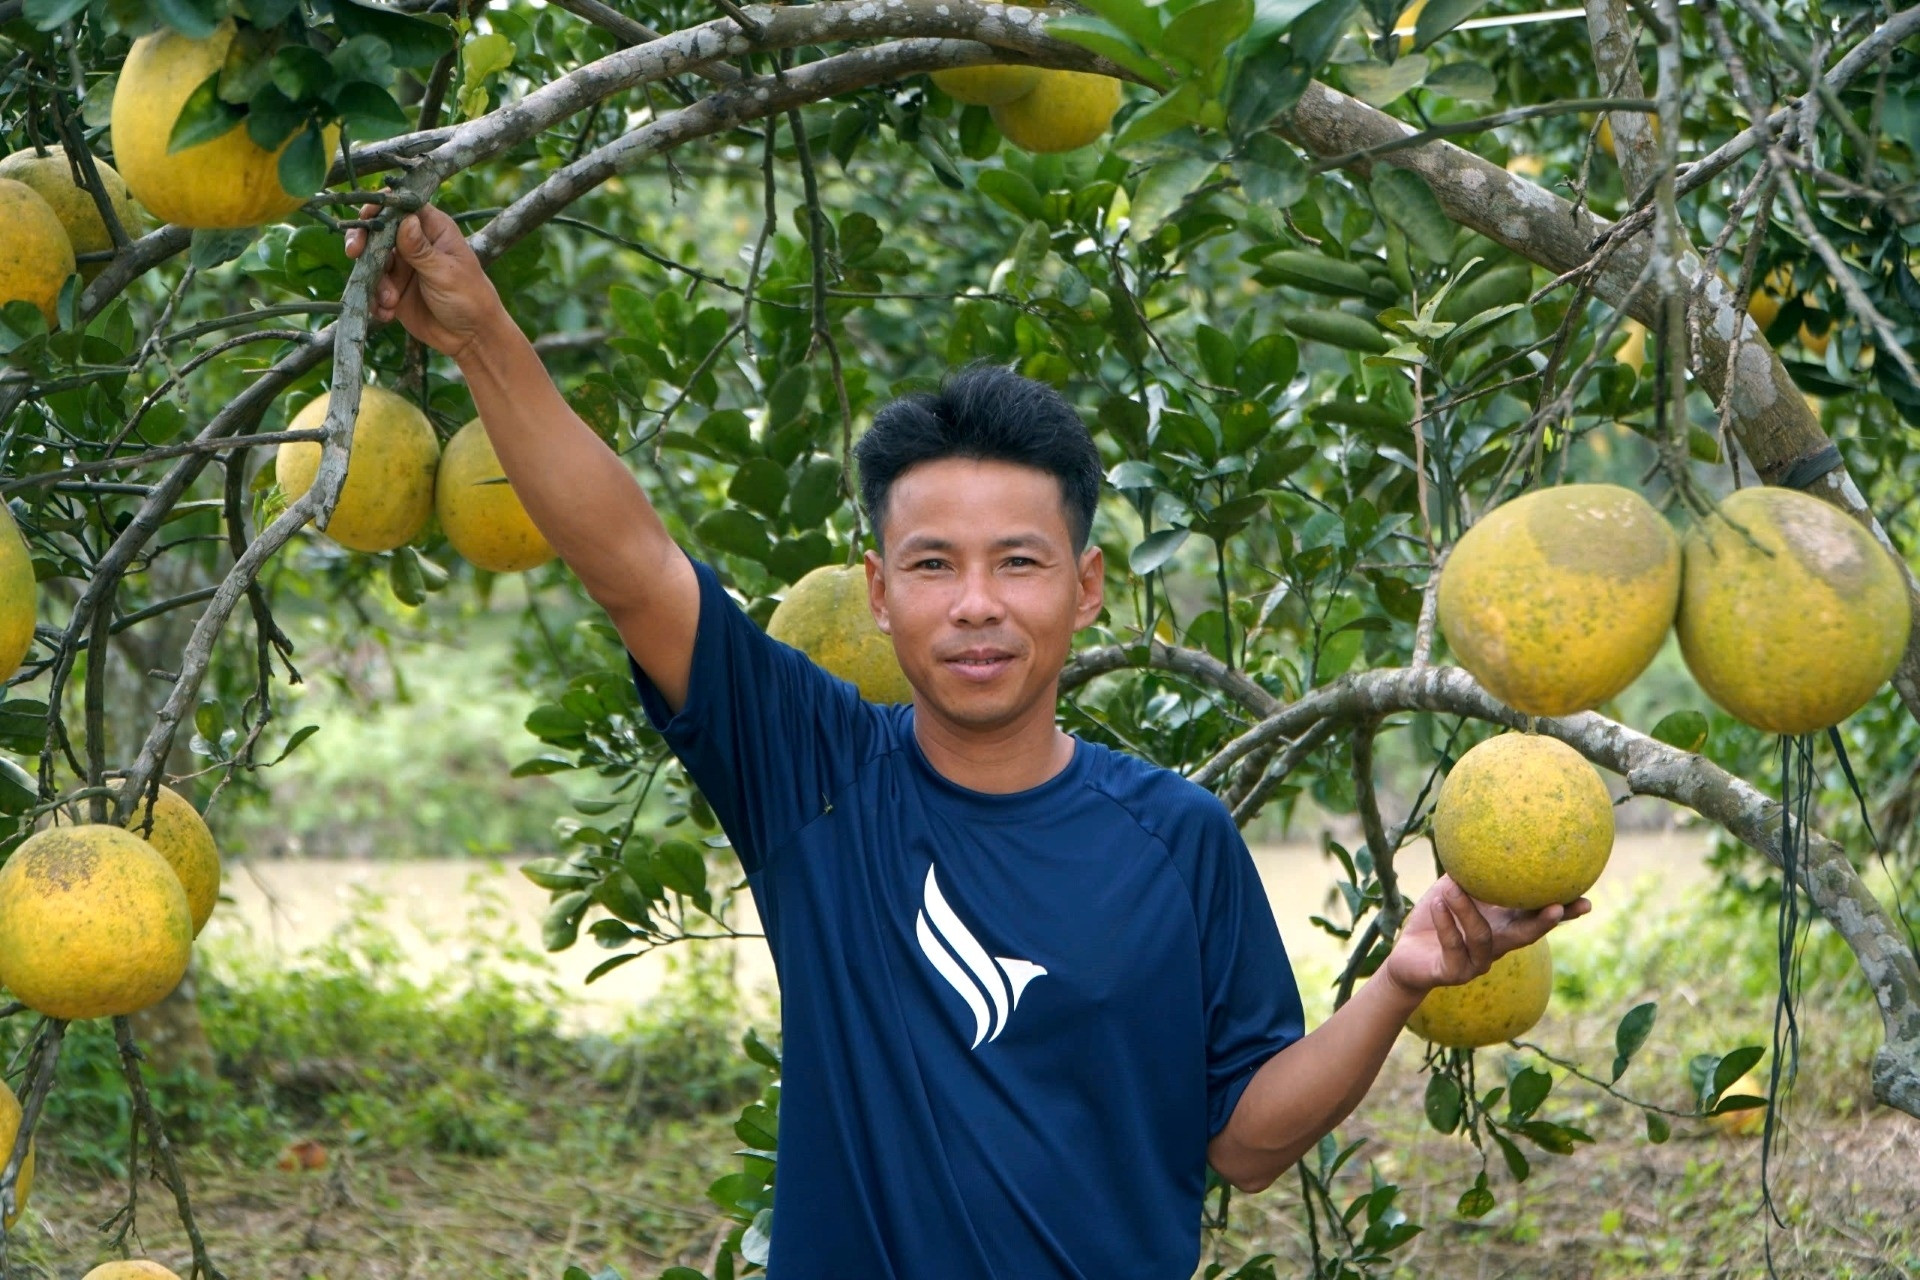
390, 470
93, 923
1791, 615
989, 86
9, 1130
35, 255
228, 181
1556, 600
1066, 110
1523, 821
130, 1269
19, 595
52, 176
181, 836
1495, 1007
825, 615
482, 517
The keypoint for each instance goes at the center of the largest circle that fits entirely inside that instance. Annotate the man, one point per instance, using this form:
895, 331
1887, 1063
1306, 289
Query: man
1030, 986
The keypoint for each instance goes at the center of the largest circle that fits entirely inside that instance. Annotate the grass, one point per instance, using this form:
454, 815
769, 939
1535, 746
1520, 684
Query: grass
458, 1131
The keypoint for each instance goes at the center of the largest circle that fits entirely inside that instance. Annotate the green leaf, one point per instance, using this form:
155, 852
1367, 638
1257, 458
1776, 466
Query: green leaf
303, 165
760, 484
815, 494
1315, 32
1440, 17
1176, 109
403, 577
212, 246
1217, 354
1271, 172
298, 736
203, 117
758, 1050
726, 431
195, 19
486, 55
272, 117
1476, 1201
1264, 86
1199, 35
1526, 1091
19, 790
1631, 1034
1517, 1163
1444, 1103
1406, 201
1658, 1130
1379, 83
1163, 190
1136, 18
1686, 730
23, 725
1156, 549
45, 15
979, 137
1012, 192
787, 397
681, 867
1463, 81
300, 72
1733, 1066
1110, 43
370, 112
561, 926
416, 43
1270, 360
735, 531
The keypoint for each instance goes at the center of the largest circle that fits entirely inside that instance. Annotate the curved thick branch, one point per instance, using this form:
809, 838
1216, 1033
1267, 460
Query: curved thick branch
1650, 768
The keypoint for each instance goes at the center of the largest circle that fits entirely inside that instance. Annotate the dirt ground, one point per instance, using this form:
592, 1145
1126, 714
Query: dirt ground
1849, 1185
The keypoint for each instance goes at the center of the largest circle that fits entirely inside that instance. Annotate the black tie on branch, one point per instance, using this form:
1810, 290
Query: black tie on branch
1873, 838
1802, 474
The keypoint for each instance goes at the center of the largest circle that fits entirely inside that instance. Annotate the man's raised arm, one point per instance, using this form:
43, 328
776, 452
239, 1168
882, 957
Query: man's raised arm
578, 492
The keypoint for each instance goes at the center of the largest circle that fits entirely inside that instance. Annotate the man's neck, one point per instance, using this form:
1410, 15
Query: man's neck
1017, 756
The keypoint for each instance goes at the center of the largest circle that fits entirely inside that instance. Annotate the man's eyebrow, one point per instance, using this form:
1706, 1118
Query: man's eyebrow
1013, 541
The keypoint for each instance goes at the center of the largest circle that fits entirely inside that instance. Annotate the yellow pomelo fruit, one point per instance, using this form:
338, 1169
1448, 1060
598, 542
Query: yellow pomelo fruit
991, 86
482, 517
1633, 352
1753, 1119
389, 490
1064, 111
1404, 27
228, 181
1791, 615
35, 255
130, 1269
93, 923
1815, 343
1556, 600
1495, 1007
19, 595
1526, 165
10, 1114
52, 176
1523, 821
181, 836
1764, 303
825, 616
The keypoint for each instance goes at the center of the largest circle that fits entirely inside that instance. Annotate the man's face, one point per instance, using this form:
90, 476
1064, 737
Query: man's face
980, 588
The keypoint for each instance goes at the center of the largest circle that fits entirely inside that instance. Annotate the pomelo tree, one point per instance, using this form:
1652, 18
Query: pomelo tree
1334, 282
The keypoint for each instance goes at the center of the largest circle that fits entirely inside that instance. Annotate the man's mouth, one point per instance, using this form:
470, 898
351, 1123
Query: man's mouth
979, 665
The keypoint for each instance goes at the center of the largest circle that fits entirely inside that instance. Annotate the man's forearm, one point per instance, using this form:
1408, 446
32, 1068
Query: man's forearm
577, 490
1306, 1089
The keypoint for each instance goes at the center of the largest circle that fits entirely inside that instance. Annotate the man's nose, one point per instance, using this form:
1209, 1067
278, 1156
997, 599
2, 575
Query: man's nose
978, 603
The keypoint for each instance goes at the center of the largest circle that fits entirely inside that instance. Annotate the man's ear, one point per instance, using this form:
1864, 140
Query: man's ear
877, 592
1093, 587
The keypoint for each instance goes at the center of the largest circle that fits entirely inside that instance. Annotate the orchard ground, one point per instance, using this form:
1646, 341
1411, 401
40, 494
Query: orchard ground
485, 1118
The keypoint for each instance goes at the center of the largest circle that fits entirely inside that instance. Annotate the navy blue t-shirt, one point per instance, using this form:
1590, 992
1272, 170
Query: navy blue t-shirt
1010, 1023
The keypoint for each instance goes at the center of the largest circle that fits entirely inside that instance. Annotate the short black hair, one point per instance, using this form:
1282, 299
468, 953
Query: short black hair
987, 413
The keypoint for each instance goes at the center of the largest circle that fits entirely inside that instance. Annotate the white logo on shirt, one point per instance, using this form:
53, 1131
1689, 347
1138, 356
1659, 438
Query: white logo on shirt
984, 981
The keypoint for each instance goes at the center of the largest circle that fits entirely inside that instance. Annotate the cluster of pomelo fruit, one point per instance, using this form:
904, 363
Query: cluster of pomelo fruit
1037, 109
48, 215
398, 476
97, 920
1789, 614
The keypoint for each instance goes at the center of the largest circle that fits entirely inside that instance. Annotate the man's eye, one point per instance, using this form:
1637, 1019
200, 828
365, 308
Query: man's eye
929, 564
1021, 562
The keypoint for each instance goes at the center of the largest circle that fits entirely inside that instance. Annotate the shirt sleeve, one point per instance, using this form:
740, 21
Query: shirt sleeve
766, 735
1253, 1008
